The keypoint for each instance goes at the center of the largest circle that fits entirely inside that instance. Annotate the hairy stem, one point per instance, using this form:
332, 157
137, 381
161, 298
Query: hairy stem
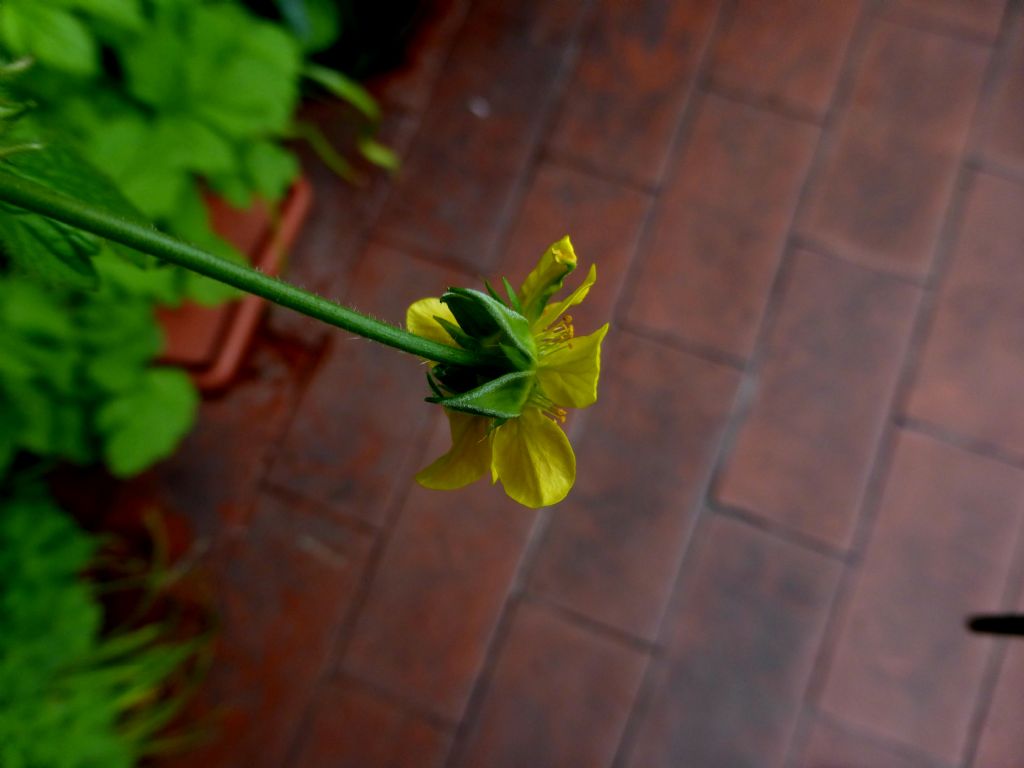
81, 214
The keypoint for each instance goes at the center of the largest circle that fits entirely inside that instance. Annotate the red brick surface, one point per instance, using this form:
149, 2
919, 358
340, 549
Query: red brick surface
887, 175
612, 550
973, 362
832, 745
1000, 138
788, 51
805, 467
979, 18
741, 642
477, 131
945, 537
831, 363
636, 68
717, 238
554, 681
437, 595
351, 726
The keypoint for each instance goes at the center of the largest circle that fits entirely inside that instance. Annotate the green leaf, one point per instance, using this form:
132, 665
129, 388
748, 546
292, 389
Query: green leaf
500, 398
122, 13
271, 169
47, 249
379, 154
50, 35
344, 88
145, 424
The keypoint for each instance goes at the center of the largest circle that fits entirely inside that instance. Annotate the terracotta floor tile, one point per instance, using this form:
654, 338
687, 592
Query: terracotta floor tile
975, 17
919, 84
886, 179
635, 70
831, 364
215, 475
1000, 138
437, 595
716, 239
603, 220
742, 639
789, 51
613, 547
475, 138
274, 631
904, 665
354, 435
1002, 740
559, 696
880, 199
353, 727
832, 746
973, 362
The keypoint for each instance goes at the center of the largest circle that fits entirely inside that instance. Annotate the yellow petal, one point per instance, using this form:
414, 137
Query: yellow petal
553, 311
468, 459
533, 460
547, 277
419, 319
569, 374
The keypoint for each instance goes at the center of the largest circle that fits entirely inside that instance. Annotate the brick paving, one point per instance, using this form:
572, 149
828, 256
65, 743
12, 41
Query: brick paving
806, 467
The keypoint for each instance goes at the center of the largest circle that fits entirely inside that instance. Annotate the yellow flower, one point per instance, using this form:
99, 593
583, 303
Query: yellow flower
507, 420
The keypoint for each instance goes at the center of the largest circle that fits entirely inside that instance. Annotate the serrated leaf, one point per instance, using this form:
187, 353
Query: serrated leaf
47, 249
123, 13
50, 35
271, 169
145, 424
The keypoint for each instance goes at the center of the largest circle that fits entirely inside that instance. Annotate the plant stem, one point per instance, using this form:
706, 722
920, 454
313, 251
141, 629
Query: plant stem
78, 213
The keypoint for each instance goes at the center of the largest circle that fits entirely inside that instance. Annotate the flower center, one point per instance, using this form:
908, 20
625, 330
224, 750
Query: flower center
556, 336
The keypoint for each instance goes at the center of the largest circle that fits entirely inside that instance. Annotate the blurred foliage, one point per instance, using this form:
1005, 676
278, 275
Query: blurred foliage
168, 96
72, 695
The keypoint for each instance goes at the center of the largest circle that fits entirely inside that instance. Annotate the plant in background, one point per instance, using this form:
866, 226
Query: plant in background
169, 96
70, 694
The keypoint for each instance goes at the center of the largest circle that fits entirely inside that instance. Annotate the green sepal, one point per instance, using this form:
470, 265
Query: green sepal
489, 321
463, 340
501, 398
513, 297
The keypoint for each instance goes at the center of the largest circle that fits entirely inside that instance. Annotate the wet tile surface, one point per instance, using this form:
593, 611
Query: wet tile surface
804, 470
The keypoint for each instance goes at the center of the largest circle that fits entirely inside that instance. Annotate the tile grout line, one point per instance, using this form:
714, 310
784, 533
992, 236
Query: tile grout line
886, 742
881, 466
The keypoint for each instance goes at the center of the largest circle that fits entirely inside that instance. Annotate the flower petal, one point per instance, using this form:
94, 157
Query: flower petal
569, 374
419, 319
547, 277
533, 460
553, 311
468, 459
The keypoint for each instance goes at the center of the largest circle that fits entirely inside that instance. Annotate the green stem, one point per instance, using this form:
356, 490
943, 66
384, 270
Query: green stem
45, 201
